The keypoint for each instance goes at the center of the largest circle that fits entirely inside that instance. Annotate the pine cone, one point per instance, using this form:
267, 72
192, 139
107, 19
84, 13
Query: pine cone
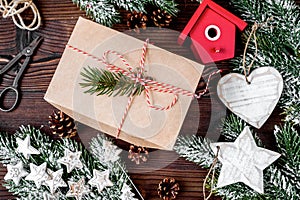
168, 189
138, 154
161, 18
137, 20
62, 125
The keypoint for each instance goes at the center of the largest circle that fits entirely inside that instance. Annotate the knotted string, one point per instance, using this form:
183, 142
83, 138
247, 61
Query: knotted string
138, 78
252, 33
14, 10
213, 169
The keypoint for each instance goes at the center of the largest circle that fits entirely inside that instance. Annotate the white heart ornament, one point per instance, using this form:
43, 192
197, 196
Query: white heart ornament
252, 102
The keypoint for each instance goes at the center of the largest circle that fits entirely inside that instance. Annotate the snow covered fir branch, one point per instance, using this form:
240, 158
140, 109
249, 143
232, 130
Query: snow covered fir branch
106, 12
40, 168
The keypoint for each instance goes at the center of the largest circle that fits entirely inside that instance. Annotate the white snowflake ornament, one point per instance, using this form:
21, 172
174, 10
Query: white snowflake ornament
15, 172
242, 161
111, 152
100, 180
126, 193
37, 174
71, 160
25, 148
77, 189
47, 196
55, 180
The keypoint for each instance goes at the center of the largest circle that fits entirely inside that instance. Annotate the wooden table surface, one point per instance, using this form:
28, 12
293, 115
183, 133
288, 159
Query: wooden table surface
58, 20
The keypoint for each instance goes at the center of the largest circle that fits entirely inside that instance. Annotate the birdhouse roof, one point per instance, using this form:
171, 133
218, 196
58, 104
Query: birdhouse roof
216, 8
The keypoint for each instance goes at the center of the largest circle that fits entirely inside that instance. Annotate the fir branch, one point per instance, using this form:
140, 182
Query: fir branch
104, 82
101, 11
232, 127
195, 149
288, 143
99, 81
168, 5
106, 11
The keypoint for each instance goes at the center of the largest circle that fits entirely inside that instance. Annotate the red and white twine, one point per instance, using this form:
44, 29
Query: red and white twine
149, 85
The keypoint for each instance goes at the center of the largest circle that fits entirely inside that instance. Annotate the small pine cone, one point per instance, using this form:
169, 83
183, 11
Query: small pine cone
161, 18
138, 154
62, 125
168, 189
137, 20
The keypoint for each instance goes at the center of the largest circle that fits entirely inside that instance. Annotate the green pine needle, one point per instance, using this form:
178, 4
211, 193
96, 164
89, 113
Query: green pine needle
106, 12
195, 149
104, 82
232, 127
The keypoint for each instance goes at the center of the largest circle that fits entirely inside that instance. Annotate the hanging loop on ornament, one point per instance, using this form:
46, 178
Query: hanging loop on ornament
252, 34
213, 171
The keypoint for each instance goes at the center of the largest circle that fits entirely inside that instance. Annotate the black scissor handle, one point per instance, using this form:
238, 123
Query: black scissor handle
3, 93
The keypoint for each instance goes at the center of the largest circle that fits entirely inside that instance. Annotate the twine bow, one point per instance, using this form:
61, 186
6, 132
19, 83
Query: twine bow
14, 10
149, 84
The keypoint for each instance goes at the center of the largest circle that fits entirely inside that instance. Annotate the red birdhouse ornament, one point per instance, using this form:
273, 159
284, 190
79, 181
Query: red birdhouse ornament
212, 32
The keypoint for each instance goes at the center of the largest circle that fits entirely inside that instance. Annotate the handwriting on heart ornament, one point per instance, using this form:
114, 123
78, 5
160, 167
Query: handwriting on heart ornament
252, 102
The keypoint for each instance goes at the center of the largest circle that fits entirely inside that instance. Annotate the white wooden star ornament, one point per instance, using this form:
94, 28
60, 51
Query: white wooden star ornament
100, 180
55, 180
37, 174
71, 160
15, 172
25, 148
77, 189
243, 161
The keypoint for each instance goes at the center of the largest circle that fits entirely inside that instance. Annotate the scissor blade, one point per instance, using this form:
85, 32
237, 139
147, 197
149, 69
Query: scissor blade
11, 63
28, 51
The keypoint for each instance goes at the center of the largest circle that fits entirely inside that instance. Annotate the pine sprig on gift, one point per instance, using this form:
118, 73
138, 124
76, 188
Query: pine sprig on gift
106, 11
104, 82
50, 152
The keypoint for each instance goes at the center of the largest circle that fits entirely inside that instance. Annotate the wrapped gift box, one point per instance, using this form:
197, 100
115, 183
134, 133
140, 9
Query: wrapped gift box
143, 126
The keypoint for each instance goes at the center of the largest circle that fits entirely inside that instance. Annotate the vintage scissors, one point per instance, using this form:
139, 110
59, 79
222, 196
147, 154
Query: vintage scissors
27, 52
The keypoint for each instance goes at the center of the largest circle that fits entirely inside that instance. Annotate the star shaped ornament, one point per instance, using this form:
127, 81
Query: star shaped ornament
25, 148
71, 160
100, 180
37, 174
77, 189
242, 161
55, 180
15, 172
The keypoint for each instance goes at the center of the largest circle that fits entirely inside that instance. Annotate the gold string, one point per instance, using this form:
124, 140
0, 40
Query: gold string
212, 168
14, 10
252, 33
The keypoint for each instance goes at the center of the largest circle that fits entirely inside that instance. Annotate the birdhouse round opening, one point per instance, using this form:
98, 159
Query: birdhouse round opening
212, 32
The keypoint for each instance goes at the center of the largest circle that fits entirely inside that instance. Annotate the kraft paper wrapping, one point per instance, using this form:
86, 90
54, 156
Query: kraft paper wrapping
143, 126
